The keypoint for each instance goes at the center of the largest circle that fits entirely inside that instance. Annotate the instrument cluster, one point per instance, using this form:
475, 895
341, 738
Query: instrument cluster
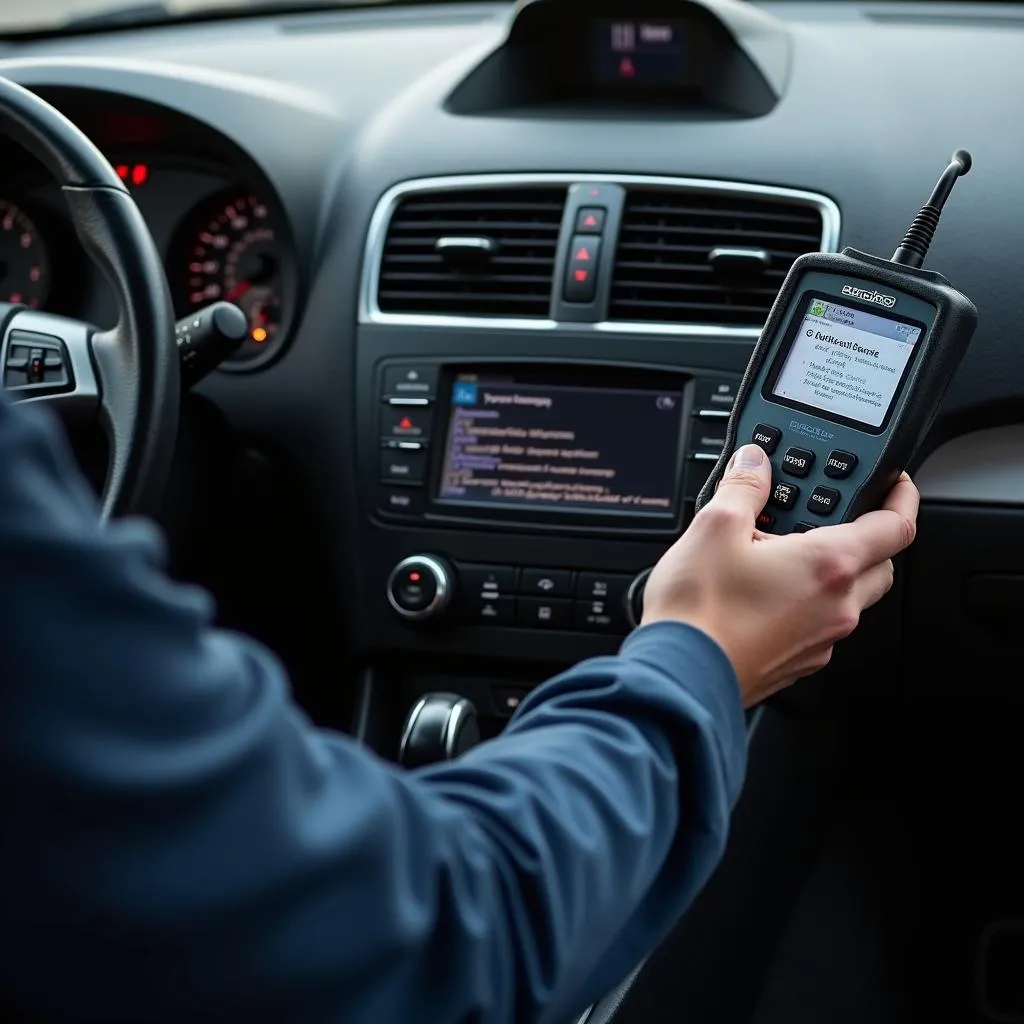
220, 240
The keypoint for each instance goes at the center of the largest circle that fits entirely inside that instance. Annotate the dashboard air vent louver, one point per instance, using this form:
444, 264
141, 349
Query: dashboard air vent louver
694, 257
485, 252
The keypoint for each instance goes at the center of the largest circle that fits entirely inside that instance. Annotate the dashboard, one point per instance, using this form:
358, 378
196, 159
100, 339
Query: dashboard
504, 266
215, 219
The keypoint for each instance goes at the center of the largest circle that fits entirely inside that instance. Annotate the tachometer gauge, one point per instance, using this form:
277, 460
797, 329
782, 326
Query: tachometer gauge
231, 250
24, 260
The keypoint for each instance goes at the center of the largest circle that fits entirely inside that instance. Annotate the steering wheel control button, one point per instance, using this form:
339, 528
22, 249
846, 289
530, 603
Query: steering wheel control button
823, 501
765, 521
804, 527
546, 582
410, 382
420, 587
403, 467
840, 464
797, 462
406, 423
581, 269
545, 614
590, 220
784, 495
767, 437
36, 362
401, 501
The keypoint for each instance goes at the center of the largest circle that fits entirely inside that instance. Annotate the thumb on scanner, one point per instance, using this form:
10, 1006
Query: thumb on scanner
745, 485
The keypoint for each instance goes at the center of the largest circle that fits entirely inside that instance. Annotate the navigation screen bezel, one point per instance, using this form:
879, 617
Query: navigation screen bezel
526, 513
770, 381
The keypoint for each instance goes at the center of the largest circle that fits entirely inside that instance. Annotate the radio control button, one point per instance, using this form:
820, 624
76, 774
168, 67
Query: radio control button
538, 611
599, 586
715, 394
546, 582
840, 464
797, 462
410, 381
784, 495
488, 580
491, 611
767, 437
804, 527
406, 501
765, 521
601, 616
823, 501
708, 436
408, 467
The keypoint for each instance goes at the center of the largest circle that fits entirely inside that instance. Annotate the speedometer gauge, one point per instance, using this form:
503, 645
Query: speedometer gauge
24, 260
231, 249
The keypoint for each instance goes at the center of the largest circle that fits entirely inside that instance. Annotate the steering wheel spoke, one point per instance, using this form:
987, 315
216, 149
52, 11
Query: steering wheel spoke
128, 378
48, 358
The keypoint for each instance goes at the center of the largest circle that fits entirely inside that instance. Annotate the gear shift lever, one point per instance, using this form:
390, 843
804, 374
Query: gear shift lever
439, 728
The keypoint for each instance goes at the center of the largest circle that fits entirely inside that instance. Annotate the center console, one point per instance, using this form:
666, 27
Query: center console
518, 476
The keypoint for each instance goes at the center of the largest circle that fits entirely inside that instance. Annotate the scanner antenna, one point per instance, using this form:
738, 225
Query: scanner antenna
918, 239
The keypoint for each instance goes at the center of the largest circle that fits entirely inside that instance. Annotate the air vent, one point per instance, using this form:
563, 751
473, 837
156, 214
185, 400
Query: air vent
485, 252
694, 257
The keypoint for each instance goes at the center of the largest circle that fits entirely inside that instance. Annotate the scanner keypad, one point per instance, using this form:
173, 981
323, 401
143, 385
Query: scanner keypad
839, 464
822, 502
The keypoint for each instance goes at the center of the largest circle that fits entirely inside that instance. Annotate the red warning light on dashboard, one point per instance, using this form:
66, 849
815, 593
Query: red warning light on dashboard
627, 69
405, 423
583, 255
582, 275
133, 174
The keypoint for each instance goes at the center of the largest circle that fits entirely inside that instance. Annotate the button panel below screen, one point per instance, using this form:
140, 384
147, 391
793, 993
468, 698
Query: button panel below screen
543, 598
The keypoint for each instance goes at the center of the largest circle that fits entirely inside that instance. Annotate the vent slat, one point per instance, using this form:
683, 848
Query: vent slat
663, 271
515, 281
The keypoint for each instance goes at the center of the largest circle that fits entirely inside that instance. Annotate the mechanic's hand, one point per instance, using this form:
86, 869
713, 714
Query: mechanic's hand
776, 605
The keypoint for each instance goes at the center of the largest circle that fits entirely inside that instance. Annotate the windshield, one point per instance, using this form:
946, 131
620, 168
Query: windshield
19, 16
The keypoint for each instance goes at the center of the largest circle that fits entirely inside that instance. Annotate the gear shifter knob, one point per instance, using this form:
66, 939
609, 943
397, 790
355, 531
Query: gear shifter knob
439, 728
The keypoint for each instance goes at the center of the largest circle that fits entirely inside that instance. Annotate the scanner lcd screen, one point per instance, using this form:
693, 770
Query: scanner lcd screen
846, 362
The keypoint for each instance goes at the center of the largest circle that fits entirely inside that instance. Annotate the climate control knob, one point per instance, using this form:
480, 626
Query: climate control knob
420, 587
635, 598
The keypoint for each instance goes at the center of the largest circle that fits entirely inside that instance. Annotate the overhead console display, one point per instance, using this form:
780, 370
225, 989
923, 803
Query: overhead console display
553, 445
639, 54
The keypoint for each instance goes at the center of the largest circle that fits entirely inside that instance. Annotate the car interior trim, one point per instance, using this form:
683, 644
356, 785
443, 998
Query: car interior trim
985, 467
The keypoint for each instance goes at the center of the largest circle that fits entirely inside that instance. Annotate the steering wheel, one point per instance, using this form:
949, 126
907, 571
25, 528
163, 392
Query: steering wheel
128, 377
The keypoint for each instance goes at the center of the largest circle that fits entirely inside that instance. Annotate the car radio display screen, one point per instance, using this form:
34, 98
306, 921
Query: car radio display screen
847, 363
578, 448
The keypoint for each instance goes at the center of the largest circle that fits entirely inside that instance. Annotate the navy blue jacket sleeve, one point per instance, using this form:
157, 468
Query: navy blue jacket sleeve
178, 843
